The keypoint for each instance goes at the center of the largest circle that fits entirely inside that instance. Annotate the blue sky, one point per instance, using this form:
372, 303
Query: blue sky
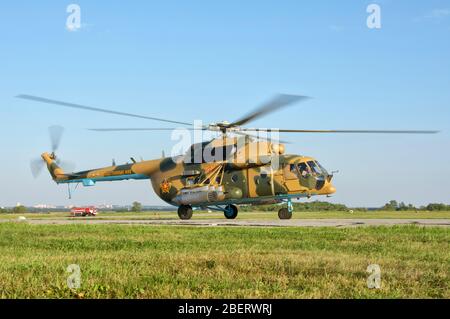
215, 61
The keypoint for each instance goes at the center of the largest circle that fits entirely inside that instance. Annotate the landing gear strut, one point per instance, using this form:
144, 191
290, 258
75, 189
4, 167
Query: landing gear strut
286, 213
230, 211
185, 212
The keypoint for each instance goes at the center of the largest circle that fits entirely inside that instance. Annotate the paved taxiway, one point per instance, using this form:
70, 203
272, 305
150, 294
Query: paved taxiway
249, 222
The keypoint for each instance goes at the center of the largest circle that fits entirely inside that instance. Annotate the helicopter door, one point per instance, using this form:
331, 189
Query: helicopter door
291, 179
260, 182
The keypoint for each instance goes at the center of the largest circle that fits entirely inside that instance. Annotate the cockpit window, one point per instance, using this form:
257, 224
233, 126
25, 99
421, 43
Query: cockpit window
304, 169
316, 168
324, 171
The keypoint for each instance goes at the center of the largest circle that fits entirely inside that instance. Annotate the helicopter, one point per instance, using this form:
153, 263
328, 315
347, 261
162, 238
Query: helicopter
236, 168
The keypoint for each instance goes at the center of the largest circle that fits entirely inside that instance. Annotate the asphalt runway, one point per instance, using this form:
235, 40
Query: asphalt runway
248, 223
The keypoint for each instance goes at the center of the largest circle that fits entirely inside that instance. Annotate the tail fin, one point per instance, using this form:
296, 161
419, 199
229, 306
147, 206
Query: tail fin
56, 171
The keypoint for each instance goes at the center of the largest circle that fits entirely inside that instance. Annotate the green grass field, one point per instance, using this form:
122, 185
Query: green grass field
123, 261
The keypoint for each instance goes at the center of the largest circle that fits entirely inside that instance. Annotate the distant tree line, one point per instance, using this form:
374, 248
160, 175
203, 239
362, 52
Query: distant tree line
393, 205
319, 206
14, 210
136, 207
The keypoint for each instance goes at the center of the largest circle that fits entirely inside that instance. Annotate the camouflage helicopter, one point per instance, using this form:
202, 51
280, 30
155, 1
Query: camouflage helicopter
237, 168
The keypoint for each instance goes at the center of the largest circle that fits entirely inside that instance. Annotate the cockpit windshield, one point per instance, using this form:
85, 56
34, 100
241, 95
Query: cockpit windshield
324, 171
311, 168
316, 168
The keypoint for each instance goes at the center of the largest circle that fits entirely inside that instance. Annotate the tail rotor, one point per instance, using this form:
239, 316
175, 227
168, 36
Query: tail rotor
55, 133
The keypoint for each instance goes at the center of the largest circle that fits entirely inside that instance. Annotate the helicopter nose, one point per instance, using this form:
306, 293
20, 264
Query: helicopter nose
329, 189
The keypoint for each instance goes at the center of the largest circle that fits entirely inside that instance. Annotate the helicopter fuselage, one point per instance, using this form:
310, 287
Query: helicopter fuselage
190, 184
217, 183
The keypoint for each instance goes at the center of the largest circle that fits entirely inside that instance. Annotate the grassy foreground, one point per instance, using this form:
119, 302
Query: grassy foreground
119, 261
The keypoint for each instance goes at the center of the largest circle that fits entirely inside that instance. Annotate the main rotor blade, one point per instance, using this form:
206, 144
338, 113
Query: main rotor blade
280, 101
95, 109
126, 129
56, 133
340, 131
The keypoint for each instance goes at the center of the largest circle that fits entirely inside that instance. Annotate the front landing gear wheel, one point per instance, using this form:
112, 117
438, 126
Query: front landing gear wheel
284, 213
185, 212
230, 212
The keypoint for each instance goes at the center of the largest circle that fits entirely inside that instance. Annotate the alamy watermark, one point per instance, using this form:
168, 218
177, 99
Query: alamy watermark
74, 280
73, 22
374, 18
374, 279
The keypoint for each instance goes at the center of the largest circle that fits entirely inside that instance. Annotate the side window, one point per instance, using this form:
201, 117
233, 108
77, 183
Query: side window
304, 170
234, 178
290, 171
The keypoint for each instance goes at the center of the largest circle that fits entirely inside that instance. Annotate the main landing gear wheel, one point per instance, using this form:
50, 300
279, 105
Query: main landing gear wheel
230, 212
284, 213
185, 212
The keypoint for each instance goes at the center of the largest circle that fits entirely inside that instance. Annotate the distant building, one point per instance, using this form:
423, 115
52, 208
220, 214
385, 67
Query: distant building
105, 206
44, 206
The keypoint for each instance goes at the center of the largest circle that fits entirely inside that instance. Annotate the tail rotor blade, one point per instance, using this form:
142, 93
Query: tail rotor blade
36, 166
56, 133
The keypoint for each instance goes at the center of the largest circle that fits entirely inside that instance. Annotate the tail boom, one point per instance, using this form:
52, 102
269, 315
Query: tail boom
135, 171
